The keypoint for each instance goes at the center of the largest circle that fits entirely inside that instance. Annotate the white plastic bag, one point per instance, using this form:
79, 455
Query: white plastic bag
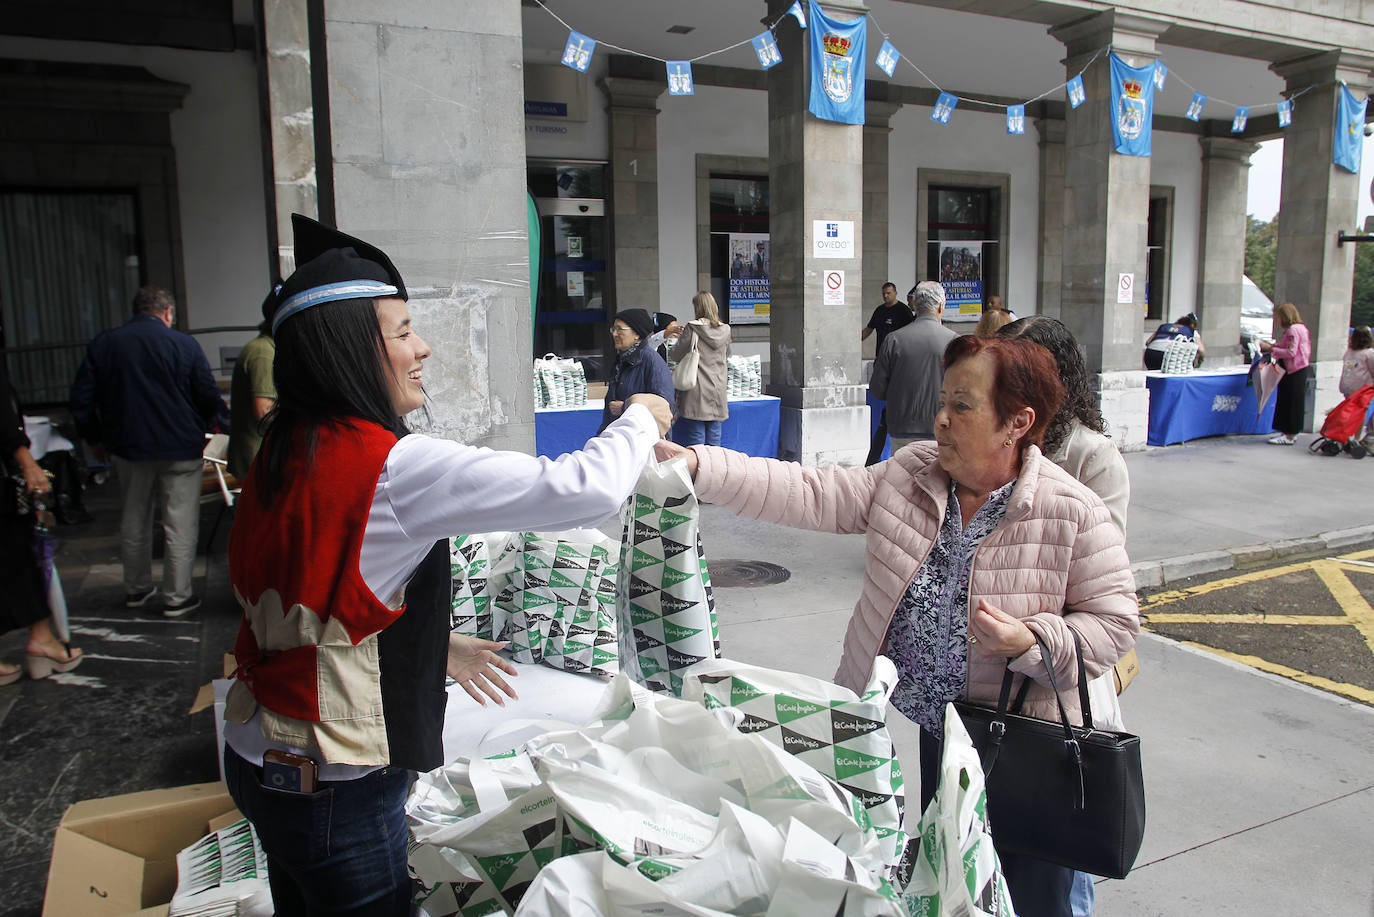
559, 382
559, 604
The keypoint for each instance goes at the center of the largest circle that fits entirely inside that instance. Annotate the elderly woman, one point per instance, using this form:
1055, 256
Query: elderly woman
976, 546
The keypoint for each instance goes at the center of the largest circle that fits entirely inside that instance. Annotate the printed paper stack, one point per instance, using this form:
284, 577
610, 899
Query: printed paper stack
223, 874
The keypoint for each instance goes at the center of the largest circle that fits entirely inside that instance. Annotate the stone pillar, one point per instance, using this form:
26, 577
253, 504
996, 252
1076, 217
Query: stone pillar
1106, 217
632, 105
290, 120
1318, 200
443, 193
1221, 244
877, 135
1050, 266
815, 172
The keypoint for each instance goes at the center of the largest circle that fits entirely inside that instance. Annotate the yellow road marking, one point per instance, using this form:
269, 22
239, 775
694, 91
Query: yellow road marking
1316, 681
1333, 573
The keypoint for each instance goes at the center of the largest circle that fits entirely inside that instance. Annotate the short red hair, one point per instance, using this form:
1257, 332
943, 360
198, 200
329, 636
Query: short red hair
1025, 376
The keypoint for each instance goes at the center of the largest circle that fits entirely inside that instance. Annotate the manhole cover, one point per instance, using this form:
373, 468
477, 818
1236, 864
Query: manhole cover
746, 573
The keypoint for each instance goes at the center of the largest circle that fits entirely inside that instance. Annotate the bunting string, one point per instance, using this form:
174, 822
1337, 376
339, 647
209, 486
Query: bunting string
580, 48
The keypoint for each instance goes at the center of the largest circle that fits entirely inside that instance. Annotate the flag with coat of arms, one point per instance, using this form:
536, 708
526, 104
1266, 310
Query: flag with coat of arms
1132, 106
838, 59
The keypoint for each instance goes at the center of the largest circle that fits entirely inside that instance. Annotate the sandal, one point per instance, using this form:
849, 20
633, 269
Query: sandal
9, 674
41, 665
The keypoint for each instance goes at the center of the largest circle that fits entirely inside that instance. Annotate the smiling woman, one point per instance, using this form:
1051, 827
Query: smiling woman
339, 559
976, 546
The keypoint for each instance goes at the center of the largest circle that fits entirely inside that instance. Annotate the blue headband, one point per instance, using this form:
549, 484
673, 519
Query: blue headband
331, 292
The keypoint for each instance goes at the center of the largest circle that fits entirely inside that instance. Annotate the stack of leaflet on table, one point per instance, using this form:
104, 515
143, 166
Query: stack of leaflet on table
224, 874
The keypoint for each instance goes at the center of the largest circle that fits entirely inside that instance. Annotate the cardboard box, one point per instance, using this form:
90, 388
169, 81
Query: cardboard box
115, 856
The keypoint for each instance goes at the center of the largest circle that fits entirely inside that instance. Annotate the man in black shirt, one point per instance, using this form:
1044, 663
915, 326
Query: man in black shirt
887, 318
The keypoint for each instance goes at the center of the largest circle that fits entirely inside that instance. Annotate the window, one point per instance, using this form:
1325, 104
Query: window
1158, 249
961, 230
739, 245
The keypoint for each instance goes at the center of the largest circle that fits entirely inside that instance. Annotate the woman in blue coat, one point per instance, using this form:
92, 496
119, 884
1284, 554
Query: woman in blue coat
637, 367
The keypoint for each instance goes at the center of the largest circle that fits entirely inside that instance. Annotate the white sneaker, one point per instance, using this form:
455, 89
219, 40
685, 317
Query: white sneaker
1281, 440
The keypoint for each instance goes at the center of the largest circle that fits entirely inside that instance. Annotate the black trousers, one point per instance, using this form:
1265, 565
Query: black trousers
1290, 401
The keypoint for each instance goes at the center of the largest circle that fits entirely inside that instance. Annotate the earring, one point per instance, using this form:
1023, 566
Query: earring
1009, 443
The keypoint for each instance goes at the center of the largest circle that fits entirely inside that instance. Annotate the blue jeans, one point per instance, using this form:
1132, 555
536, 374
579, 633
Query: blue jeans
1083, 896
338, 851
687, 432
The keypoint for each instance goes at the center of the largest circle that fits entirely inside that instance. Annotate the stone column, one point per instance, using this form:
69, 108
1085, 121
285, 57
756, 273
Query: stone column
1221, 244
443, 192
815, 173
632, 105
1318, 200
1050, 266
290, 120
877, 135
1106, 217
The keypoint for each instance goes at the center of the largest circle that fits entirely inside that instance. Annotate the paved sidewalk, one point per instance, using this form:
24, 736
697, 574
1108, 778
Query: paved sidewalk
1258, 789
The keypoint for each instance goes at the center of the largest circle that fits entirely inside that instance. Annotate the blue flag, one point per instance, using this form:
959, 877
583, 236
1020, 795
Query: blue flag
1161, 71
796, 10
888, 56
766, 47
577, 53
1077, 95
1242, 116
1195, 107
837, 67
944, 108
679, 78
1345, 151
1132, 107
1016, 119
1285, 112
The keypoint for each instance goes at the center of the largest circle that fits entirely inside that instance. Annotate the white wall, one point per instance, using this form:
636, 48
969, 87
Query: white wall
1176, 160
971, 142
716, 121
219, 175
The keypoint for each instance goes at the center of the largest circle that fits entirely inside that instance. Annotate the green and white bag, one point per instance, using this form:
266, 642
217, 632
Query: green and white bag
951, 868
842, 735
665, 609
559, 383
560, 601
743, 377
478, 577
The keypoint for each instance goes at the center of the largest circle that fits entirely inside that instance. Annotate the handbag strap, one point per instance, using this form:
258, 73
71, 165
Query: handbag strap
1084, 702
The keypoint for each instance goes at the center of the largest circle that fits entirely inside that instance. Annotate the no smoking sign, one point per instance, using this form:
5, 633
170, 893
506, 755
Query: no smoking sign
834, 288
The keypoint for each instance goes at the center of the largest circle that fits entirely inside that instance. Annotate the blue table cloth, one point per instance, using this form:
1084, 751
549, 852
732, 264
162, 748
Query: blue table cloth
1196, 404
875, 414
752, 427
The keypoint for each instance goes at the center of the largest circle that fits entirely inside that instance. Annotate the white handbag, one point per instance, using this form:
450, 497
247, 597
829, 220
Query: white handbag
685, 372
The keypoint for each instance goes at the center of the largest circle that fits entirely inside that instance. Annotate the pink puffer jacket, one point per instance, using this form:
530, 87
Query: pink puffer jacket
1055, 560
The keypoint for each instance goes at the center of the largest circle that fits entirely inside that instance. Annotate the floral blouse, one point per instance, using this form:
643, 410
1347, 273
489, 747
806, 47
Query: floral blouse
928, 637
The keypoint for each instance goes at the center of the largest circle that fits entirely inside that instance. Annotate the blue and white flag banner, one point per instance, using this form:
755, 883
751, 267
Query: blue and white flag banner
679, 77
1194, 112
1016, 119
1132, 107
1077, 94
1161, 71
888, 56
1238, 122
577, 53
1349, 139
944, 108
766, 47
838, 60
1285, 112
796, 10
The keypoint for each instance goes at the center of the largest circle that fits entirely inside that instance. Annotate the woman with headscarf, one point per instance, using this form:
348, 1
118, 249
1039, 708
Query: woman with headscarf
976, 546
339, 559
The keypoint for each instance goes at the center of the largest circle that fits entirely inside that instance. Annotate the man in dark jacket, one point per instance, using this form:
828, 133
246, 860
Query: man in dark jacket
909, 369
638, 368
145, 395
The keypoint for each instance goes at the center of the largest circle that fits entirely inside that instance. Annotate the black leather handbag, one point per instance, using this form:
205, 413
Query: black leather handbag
1067, 794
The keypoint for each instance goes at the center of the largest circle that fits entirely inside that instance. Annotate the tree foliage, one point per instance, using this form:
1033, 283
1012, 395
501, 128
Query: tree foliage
1261, 252
1362, 295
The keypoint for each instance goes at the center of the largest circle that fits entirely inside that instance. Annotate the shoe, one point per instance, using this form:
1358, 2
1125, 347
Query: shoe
41, 665
1281, 440
141, 598
9, 674
177, 609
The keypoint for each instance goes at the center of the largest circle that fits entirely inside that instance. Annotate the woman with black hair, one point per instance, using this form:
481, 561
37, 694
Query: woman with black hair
1183, 329
1076, 439
339, 559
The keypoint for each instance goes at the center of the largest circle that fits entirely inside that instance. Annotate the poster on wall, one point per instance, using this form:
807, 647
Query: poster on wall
961, 274
748, 259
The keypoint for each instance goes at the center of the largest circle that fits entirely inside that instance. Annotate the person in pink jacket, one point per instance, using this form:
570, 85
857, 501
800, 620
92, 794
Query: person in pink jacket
1294, 352
976, 545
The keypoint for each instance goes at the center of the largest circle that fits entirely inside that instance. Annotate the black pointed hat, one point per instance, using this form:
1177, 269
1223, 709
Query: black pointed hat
333, 266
